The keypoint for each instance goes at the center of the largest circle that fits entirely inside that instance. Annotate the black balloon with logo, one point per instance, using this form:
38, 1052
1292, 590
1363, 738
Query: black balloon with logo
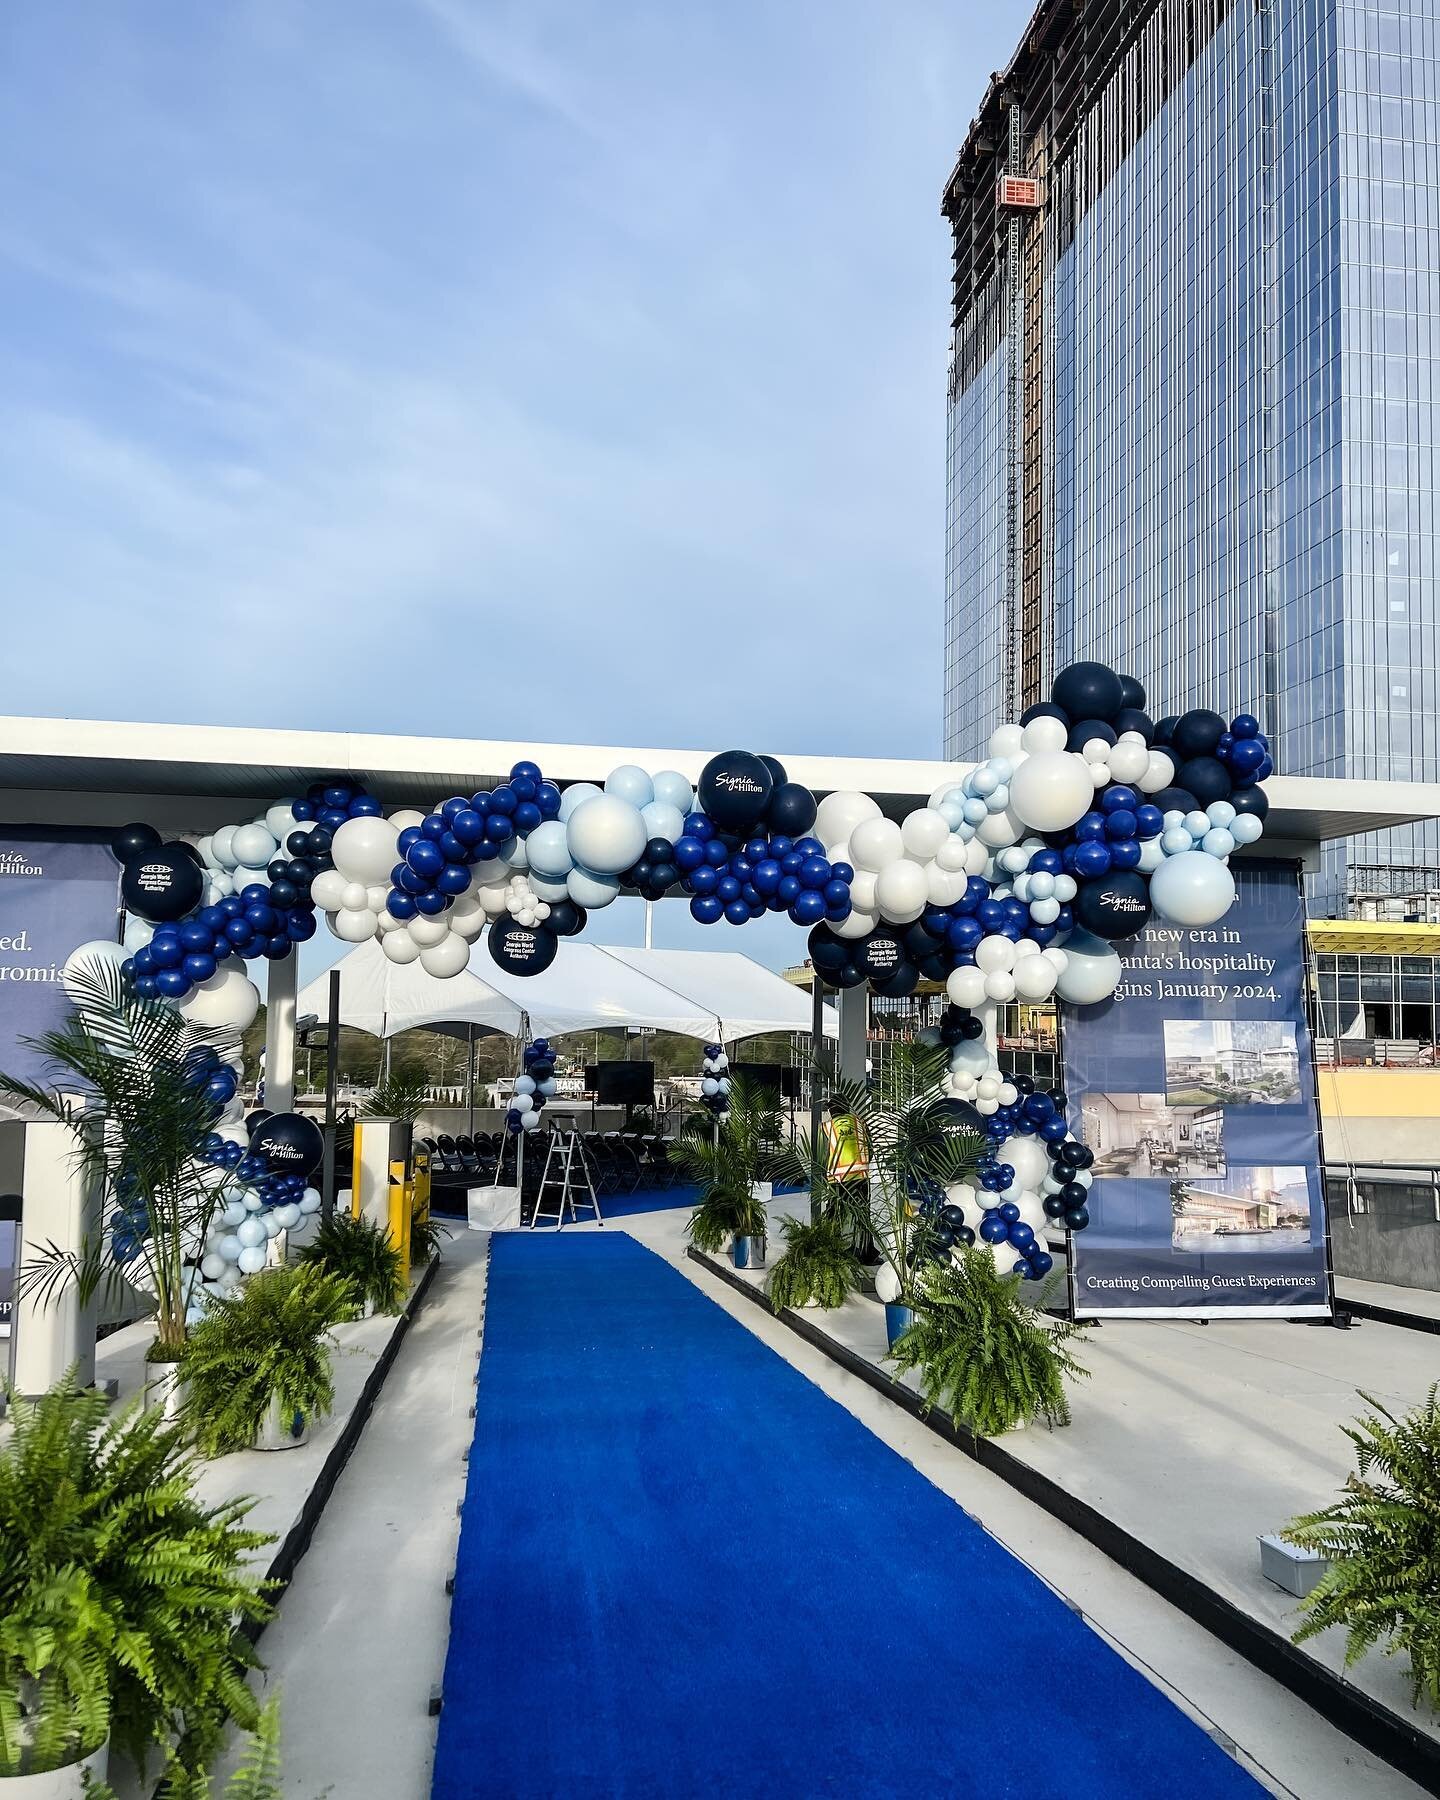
521, 949
734, 789
289, 1142
882, 956
163, 884
1115, 906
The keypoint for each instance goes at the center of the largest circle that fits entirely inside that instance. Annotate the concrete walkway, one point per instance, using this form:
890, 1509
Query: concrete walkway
362, 1632
1423, 1302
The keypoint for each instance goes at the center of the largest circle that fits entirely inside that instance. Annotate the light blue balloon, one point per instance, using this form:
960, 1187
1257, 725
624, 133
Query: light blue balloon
549, 852
590, 890
1092, 972
1245, 828
1192, 890
1175, 839
515, 855
576, 796
1152, 854
1220, 812
631, 783
1218, 842
663, 821
950, 813
1196, 823
549, 890
997, 801
975, 812
673, 789
1173, 817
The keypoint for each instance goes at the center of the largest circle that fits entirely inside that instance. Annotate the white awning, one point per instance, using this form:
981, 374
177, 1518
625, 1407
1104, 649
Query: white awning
704, 994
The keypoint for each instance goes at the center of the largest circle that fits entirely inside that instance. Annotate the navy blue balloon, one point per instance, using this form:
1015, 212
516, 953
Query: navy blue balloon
791, 809
1089, 690
707, 908
735, 789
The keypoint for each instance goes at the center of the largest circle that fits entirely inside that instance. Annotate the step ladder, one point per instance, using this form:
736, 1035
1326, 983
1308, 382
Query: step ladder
566, 1177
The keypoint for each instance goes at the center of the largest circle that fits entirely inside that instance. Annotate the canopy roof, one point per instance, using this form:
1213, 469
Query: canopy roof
704, 994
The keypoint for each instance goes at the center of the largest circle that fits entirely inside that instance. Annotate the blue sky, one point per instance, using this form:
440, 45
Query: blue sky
555, 371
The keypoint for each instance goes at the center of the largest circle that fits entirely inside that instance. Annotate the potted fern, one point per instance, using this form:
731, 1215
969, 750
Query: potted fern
124, 1084
910, 1144
1382, 1540
992, 1361
257, 1366
122, 1598
819, 1266
730, 1161
358, 1252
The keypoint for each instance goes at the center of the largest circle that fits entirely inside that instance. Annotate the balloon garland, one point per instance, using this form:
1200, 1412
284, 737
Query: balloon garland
533, 1087
715, 1082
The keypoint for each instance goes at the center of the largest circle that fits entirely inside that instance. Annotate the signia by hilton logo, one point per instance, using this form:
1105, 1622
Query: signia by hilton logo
15, 862
738, 782
1124, 903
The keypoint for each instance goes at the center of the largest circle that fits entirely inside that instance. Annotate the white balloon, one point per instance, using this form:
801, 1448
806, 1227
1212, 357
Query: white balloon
1159, 773
1035, 978
1128, 762
1007, 741
280, 820
366, 849
838, 814
1050, 790
875, 844
887, 1284
88, 962
407, 819
902, 891
1000, 985
356, 898
1192, 889
447, 958
399, 947
859, 922
944, 888
229, 999
530, 1121
1092, 969
424, 930
354, 924
222, 847
327, 890
606, 834
253, 846
966, 986
952, 855
1045, 736
1027, 1157
994, 953
922, 833
862, 890
1001, 828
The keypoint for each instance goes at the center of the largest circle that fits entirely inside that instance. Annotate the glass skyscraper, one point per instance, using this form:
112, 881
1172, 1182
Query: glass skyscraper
1195, 383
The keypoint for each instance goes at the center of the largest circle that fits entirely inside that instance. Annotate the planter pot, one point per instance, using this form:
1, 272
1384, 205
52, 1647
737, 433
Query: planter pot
282, 1431
57, 1784
898, 1320
166, 1388
748, 1252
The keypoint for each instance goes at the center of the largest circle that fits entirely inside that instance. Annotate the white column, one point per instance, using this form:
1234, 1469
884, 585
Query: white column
854, 1048
280, 983
53, 1329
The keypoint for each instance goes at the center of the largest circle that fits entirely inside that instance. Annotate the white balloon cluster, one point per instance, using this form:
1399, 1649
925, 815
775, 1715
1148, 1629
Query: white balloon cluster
715, 1081
354, 893
241, 1231
1129, 759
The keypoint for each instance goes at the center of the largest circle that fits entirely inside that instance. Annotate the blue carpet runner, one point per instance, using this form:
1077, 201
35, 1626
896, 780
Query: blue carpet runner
684, 1570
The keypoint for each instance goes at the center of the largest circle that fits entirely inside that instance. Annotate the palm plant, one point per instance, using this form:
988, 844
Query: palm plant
124, 1089
360, 1253
727, 1160
819, 1262
399, 1094
913, 1143
1382, 1538
989, 1358
122, 1597
268, 1345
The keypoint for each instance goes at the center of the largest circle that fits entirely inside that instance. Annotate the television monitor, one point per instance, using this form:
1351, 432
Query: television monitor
625, 1083
790, 1082
764, 1077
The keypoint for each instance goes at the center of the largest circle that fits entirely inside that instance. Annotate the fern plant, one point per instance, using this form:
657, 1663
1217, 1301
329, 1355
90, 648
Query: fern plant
990, 1359
125, 1058
122, 1596
728, 1160
257, 1777
358, 1252
819, 1263
427, 1235
1382, 1537
269, 1343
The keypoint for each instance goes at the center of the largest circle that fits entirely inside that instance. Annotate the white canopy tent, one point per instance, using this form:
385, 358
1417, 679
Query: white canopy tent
704, 994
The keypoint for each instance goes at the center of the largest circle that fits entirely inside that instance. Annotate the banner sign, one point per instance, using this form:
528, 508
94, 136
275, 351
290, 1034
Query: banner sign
55, 892
1193, 1085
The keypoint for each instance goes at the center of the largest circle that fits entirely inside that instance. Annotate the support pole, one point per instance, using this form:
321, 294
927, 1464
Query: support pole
817, 1054
470, 1078
328, 1179
280, 984
53, 1329
854, 1057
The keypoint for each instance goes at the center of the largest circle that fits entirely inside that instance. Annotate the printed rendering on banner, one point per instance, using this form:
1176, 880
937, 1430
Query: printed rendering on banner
55, 893
1193, 1086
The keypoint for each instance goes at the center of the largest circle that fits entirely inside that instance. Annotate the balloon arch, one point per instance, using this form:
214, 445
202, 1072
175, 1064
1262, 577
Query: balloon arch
1012, 883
